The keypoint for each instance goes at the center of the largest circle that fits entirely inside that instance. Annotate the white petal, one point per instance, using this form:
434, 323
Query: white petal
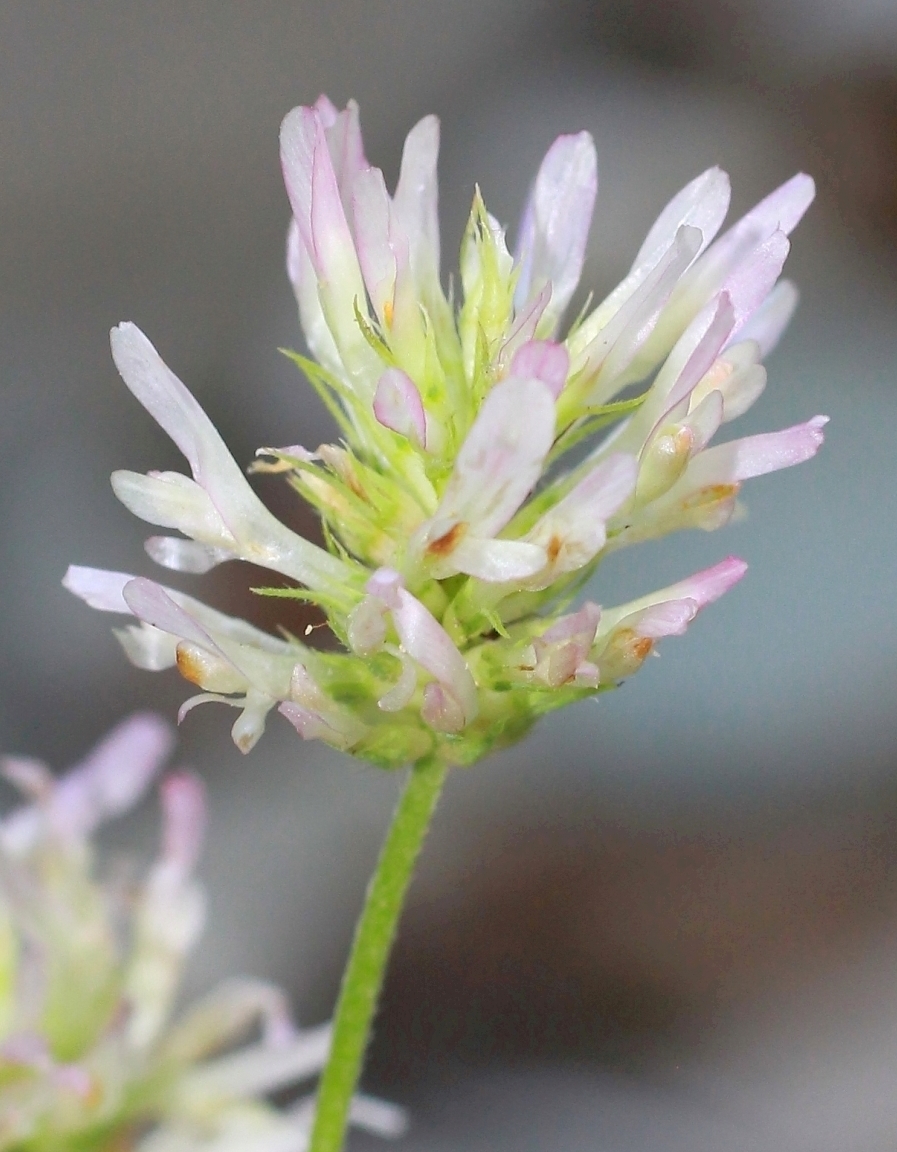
148, 648
702, 204
302, 276
185, 555
174, 501
496, 561
416, 200
556, 221
262, 538
260, 1069
501, 457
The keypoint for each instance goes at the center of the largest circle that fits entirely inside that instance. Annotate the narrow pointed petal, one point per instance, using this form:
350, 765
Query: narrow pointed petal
702, 204
556, 223
669, 611
756, 455
780, 211
151, 603
753, 280
315, 198
376, 240
416, 200
618, 329
98, 588
502, 456
240, 514
770, 320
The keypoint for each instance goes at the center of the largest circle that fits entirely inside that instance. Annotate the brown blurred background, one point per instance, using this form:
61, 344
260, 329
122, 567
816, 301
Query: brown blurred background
669, 921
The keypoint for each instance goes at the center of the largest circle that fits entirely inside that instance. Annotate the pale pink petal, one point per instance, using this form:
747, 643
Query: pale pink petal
397, 405
427, 642
669, 611
108, 781
326, 109
317, 205
573, 532
184, 819
524, 328
556, 221
781, 211
622, 329
501, 457
694, 353
32, 777
542, 360
669, 618
313, 725
754, 278
770, 320
756, 455
581, 623
415, 203
702, 204
709, 584
375, 238
98, 587
441, 709
346, 148
173, 407
229, 512
151, 603
385, 583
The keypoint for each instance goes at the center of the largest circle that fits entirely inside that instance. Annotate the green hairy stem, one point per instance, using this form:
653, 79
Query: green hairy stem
374, 936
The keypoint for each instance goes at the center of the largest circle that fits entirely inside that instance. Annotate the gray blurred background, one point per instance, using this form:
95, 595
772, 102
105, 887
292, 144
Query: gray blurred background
669, 920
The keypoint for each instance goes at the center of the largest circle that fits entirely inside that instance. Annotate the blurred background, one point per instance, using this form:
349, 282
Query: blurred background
669, 920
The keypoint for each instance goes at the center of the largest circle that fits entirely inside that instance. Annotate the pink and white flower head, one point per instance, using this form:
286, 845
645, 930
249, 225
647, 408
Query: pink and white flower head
92, 1055
455, 529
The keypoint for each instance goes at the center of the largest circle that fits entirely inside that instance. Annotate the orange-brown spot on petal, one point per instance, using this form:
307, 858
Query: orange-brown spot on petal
555, 544
388, 313
712, 494
449, 541
191, 665
641, 647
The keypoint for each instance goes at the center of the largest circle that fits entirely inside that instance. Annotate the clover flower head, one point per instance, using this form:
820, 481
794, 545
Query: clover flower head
459, 522
92, 1058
